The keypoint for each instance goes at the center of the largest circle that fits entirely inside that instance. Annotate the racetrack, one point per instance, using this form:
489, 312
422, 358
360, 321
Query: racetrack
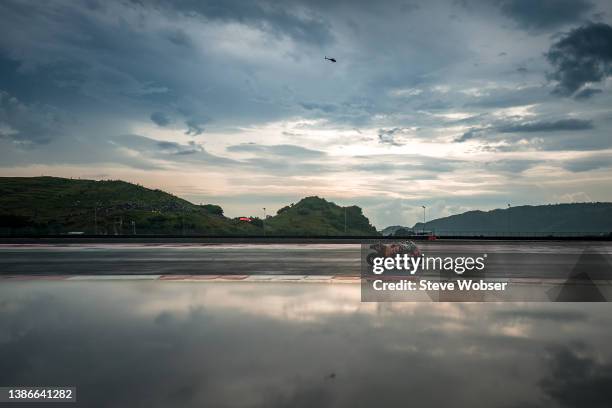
537, 259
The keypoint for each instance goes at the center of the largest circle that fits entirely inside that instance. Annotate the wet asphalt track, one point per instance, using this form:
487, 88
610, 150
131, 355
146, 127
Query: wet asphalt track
513, 259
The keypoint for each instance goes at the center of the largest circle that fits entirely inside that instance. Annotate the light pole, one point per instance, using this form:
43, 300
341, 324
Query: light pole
264, 221
423, 219
344, 220
508, 220
133, 227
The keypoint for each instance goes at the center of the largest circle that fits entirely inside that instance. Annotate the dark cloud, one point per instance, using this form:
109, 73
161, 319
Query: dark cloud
324, 107
473, 133
543, 126
100, 62
509, 132
194, 128
28, 124
545, 14
151, 149
277, 150
581, 57
297, 23
594, 162
177, 148
160, 119
586, 93
164, 145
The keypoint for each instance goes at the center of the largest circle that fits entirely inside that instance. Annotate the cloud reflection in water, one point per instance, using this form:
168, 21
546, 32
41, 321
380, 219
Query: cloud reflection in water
154, 344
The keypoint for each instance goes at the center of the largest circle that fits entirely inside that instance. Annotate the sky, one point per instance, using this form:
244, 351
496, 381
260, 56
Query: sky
454, 105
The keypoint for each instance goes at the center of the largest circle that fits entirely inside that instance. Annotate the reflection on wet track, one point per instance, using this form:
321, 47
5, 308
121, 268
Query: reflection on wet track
160, 344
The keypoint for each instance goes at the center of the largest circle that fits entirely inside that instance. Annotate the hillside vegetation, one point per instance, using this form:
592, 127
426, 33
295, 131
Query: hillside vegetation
53, 205
317, 216
58, 205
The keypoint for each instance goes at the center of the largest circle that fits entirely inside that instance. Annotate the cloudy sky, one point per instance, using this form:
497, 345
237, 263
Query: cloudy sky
460, 105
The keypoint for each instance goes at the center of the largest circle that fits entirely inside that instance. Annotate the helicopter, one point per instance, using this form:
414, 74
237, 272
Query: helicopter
330, 59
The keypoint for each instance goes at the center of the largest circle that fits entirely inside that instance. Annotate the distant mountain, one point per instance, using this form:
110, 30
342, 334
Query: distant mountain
317, 216
539, 219
404, 232
53, 205
390, 230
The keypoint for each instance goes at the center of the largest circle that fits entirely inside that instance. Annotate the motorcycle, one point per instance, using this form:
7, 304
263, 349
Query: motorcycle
389, 250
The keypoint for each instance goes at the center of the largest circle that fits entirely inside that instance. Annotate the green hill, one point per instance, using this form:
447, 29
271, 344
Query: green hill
539, 219
53, 205
317, 216
57, 205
